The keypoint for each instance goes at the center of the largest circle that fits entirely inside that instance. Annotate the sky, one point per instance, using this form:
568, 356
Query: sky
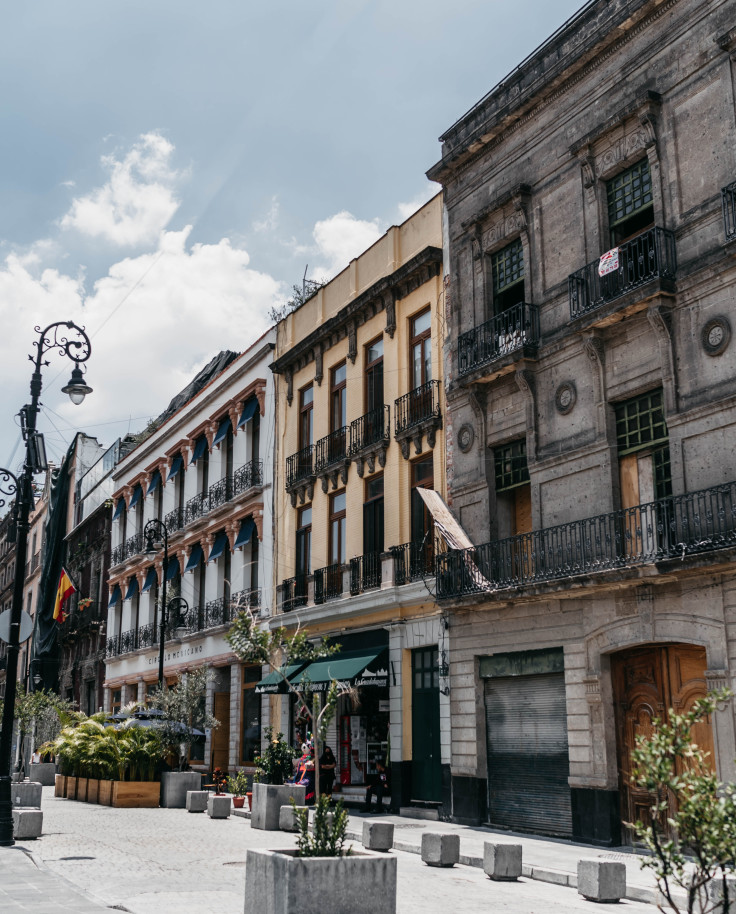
169, 169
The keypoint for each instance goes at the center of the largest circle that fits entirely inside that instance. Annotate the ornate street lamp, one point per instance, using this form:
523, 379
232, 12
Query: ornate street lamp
69, 340
156, 534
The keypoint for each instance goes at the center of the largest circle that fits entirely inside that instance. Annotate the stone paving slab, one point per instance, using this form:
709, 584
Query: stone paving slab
27, 888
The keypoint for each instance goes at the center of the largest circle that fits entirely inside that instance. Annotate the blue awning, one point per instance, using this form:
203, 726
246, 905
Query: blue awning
176, 464
218, 547
249, 410
222, 430
137, 493
172, 569
132, 588
154, 483
247, 527
114, 596
199, 448
119, 508
196, 556
151, 579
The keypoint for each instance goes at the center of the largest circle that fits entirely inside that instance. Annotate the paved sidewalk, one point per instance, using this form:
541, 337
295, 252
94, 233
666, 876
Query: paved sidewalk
165, 861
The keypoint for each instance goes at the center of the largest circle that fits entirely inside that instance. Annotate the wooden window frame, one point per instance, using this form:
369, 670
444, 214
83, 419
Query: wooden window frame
336, 517
423, 339
510, 465
306, 414
338, 397
370, 367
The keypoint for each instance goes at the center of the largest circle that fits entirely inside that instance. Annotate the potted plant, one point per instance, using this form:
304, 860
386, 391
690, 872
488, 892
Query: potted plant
270, 793
237, 785
320, 874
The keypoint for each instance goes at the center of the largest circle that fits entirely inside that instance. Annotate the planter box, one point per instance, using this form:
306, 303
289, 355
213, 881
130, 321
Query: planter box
104, 795
175, 785
26, 794
279, 882
136, 794
44, 773
60, 785
268, 800
93, 790
82, 789
70, 791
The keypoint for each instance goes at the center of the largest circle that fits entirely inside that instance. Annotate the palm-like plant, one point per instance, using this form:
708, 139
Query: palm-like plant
143, 749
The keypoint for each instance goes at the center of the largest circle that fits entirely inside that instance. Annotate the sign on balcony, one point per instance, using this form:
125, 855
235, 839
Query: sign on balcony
608, 262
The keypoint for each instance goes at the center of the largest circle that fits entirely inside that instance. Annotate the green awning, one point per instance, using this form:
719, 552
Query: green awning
363, 669
274, 682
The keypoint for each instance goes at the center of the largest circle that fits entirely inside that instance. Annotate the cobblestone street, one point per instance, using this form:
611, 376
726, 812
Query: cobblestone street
165, 861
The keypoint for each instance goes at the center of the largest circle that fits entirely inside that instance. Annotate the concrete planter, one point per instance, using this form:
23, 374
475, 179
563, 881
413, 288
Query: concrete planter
70, 788
104, 795
279, 882
93, 790
44, 773
26, 794
268, 800
60, 785
175, 785
82, 790
143, 794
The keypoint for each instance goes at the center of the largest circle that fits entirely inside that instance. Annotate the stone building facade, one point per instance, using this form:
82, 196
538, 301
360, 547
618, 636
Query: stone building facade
591, 411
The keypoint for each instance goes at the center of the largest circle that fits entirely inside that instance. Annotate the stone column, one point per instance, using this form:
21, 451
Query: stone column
236, 716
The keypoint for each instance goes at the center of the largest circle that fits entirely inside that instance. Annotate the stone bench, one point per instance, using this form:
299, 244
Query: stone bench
26, 794
601, 880
218, 807
197, 800
440, 850
502, 862
27, 823
378, 835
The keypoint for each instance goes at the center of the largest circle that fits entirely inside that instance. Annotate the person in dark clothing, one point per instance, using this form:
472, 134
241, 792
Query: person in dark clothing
377, 784
327, 765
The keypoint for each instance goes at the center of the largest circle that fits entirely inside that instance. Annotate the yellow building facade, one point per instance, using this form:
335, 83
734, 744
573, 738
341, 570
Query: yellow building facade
360, 429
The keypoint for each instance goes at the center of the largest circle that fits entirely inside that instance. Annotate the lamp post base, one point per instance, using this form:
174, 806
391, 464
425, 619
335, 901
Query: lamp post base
6, 813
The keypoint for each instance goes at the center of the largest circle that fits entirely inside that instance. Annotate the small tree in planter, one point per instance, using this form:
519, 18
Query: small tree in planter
182, 718
238, 785
692, 828
274, 764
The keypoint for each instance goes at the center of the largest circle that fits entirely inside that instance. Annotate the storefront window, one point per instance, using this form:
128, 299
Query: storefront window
251, 745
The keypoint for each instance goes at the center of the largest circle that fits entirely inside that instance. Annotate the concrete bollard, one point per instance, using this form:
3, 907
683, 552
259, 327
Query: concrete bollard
502, 862
27, 823
378, 836
601, 880
197, 800
26, 794
218, 807
288, 820
440, 850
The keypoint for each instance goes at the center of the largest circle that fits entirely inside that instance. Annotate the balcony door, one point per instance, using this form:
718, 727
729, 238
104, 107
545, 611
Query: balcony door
303, 550
374, 391
422, 524
373, 543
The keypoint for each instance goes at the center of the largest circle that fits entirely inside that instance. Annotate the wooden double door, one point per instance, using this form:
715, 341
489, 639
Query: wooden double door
647, 683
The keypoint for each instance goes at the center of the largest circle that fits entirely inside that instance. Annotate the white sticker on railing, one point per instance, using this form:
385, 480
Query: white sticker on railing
608, 262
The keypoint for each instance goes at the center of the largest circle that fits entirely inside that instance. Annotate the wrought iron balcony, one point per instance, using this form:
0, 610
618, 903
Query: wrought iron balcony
372, 429
245, 599
213, 613
672, 527
650, 255
196, 507
413, 561
135, 639
35, 561
174, 520
248, 476
365, 572
332, 449
513, 331
417, 406
328, 583
300, 467
221, 492
728, 195
294, 593
117, 555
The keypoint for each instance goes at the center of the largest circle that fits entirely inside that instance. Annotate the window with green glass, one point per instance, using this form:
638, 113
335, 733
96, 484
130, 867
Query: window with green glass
510, 464
508, 266
640, 423
629, 192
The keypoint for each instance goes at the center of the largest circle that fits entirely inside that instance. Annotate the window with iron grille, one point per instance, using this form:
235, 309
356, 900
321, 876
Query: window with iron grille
511, 466
640, 423
508, 276
630, 202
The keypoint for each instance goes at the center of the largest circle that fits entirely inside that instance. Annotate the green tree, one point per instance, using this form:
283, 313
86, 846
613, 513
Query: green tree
183, 713
691, 832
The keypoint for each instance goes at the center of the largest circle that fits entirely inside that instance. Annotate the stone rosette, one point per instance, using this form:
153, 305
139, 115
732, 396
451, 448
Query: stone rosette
716, 335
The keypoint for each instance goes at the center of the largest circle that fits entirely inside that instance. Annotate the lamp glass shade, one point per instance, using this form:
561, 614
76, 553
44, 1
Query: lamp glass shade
76, 387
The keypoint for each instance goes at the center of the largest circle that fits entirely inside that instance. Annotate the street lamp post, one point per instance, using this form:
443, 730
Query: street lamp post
155, 532
70, 340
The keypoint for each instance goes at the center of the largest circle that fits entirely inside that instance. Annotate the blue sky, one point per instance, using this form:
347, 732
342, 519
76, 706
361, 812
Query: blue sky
168, 169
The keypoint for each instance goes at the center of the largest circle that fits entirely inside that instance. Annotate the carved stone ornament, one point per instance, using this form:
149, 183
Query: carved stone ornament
716, 335
566, 396
465, 437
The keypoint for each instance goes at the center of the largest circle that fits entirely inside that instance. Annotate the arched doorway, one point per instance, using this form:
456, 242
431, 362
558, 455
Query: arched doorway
647, 682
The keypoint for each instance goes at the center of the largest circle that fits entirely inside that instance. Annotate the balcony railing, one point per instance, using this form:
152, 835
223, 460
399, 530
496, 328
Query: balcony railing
649, 256
669, 528
245, 599
328, 583
35, 561
174, 520
196, 507
332, 449
365, 572
372, 428
300, 466
417, 406
413, 561
221, 492
729, 210
503, 334
248, 476
294, 593
213, 613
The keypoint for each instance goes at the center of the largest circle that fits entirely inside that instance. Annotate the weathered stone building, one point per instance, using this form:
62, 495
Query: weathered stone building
591, 411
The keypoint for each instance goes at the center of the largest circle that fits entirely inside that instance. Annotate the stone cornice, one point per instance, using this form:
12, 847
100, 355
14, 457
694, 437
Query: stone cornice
382, 295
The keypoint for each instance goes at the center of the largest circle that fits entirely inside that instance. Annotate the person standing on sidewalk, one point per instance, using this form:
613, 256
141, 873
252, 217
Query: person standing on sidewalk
377, 784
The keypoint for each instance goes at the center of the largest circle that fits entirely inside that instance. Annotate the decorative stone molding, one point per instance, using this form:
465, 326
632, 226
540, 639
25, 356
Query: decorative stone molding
369, 456
289, 386
727, 43
304, 491
566, 397
526, 383
716, 335
717, 679
352, 342
465, 437
660, 320
319, 372
336, 474
416, 435
390, 299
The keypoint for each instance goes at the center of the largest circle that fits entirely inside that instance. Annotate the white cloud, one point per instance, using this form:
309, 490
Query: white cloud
340, 238
137, 202
270, 220
417, 202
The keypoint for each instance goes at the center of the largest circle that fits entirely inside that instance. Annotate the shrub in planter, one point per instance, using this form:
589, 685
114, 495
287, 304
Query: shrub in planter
238, 785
